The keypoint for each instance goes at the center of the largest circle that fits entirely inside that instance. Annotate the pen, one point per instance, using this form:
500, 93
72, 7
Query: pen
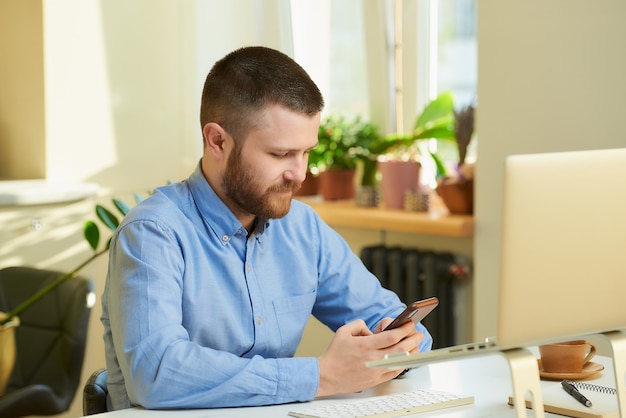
571, 389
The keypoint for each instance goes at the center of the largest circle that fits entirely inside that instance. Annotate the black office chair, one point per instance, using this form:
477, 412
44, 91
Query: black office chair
95, 393
50, 341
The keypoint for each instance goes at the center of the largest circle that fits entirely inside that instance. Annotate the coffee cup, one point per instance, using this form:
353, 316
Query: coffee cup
567, 356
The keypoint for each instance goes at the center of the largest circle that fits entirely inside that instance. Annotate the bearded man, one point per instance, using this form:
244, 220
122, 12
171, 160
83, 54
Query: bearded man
211, 280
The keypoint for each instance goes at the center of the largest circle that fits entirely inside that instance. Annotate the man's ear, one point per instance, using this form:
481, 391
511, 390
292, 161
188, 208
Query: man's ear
214, 139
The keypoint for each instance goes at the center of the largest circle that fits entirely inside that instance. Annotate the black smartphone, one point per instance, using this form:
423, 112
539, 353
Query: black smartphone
415, 312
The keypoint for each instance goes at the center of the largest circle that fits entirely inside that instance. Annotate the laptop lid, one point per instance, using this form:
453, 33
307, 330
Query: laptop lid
563, 273
563, 246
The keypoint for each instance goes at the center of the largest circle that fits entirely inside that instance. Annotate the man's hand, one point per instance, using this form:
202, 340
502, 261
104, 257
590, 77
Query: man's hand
342, 366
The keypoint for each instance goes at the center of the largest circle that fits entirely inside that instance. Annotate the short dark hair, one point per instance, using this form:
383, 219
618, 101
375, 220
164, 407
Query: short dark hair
247, 80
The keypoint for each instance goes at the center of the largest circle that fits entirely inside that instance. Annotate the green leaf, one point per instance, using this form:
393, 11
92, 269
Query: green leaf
441, 107
439, 131
121, 206
138, 197
441, 168
92, 234
107, 217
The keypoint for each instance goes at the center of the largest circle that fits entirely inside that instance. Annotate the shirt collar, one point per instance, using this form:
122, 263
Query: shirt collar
215, 212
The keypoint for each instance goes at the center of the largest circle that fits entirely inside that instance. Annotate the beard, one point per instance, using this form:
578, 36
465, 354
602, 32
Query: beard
243, 189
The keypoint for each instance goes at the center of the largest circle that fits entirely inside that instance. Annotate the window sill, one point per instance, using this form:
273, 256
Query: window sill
42, 192
435, 222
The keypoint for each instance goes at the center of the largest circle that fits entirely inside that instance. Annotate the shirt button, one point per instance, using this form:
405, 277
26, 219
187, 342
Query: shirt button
259, 320
224, 238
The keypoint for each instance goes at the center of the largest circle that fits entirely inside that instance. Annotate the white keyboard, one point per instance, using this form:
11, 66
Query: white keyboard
386, 406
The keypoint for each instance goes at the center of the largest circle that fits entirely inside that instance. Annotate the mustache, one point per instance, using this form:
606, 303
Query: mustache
287, 187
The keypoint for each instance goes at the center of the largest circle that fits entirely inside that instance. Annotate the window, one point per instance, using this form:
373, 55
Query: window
454, 38
348, 47
457, 57
329, 42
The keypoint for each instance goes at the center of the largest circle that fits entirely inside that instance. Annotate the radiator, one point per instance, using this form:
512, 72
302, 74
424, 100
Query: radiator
415, 274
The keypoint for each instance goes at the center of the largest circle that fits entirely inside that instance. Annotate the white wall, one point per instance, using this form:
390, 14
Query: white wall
121, 92
117, 92
119, 111
550, 78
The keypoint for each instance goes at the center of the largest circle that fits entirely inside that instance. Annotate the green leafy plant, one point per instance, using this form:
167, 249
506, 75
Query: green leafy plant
343, 144
369, 142
336, 147
436, 121
91, 233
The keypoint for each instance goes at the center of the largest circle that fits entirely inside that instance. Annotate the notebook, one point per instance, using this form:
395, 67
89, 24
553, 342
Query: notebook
555, 400
562, 253
600, 392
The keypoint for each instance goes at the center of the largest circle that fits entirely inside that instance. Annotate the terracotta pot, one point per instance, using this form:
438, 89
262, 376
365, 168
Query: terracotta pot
337, 184
310, 186
7, 351
458, 196
398, 177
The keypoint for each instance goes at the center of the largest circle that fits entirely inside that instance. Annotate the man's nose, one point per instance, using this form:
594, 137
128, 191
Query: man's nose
298, 169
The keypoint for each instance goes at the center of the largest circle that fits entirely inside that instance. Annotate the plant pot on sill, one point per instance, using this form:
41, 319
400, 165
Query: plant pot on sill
7, 351
398, 177
337, 184
457, 195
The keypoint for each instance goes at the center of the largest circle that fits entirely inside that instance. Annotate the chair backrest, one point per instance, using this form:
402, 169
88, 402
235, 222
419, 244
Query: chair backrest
95, 393
52, 335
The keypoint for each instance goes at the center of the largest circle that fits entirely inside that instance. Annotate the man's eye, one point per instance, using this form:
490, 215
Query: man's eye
280, 155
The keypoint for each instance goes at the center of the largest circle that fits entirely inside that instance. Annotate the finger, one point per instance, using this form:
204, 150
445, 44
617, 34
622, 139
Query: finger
356, 328
392, 374
410, 343
383, 324
390, 338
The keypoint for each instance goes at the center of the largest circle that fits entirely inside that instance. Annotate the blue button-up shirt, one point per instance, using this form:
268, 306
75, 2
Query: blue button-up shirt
197, 314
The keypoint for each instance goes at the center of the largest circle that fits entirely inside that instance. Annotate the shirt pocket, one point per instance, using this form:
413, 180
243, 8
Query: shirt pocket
292, 314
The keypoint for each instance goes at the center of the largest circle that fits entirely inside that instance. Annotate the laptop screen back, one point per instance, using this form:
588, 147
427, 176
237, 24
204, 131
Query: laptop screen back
563, 265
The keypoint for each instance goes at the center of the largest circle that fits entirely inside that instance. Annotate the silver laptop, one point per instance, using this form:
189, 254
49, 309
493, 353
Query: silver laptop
563, 257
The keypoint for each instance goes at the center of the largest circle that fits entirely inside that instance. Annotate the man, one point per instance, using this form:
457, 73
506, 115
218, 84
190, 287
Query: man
212, 280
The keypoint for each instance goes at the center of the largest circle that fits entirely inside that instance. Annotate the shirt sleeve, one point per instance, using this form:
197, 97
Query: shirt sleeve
160, 366
348, 291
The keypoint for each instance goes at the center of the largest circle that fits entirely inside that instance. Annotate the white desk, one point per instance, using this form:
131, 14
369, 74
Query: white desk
486, 377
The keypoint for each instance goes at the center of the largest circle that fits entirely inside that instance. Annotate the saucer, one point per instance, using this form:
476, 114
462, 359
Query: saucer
588, 370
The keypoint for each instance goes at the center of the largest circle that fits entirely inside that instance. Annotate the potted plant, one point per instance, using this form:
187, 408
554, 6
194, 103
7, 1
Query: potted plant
400, 151
369, 143
457, 188
335, 158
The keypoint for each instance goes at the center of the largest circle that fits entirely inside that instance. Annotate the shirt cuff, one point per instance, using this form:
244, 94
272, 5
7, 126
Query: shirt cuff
298, 378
